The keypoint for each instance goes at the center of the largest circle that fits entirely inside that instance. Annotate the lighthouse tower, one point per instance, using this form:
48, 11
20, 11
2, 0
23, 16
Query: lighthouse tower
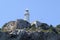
26, 15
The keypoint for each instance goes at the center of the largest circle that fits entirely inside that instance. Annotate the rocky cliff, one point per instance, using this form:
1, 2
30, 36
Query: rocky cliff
23, 30
23, 35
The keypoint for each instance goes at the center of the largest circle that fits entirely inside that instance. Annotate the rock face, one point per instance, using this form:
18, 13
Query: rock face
44, 26
23, 35
9, 26
18, 24
22, 24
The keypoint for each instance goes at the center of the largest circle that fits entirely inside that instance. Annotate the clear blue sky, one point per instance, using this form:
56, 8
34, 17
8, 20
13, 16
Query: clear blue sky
47, 11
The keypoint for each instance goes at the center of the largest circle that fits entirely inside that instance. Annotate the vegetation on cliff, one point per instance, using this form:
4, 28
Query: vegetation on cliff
43, 27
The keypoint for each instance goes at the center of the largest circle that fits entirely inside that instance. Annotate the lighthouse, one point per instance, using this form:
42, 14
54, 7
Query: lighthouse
26, 15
